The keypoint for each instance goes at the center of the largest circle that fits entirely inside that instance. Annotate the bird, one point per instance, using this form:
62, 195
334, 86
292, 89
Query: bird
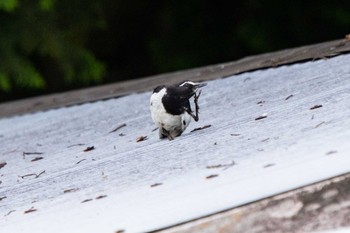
171, 109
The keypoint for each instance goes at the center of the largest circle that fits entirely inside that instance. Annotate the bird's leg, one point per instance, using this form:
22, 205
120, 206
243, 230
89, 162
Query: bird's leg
164, 133
196, 97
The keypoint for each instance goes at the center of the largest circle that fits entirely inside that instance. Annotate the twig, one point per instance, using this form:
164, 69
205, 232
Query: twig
79, 144
118, 127
200, 128
31, 153
290, 96
33, 174
80, 161
30, 210
316, 106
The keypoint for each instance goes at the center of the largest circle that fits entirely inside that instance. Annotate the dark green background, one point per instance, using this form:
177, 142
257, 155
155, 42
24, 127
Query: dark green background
56, 45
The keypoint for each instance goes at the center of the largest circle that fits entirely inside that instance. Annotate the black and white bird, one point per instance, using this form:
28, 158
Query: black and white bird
171, 109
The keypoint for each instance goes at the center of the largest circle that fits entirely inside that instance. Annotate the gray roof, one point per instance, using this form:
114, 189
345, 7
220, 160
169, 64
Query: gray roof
270, 131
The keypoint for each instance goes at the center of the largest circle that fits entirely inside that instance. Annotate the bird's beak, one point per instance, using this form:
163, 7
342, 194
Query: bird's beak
199, 85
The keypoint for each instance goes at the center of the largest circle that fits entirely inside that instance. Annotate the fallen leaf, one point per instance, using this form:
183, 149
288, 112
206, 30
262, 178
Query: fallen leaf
2, 164
89, 148
141, 138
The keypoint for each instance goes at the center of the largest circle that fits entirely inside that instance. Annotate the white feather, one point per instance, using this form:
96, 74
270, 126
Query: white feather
163, 119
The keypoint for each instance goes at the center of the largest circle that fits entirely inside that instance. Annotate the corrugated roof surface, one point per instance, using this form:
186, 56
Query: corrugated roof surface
134, 186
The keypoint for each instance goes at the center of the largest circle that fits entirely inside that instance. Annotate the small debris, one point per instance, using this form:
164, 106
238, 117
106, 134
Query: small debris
265, 140
118, 127
119, 231
80, 161
261, 117
2, 198
154, 129
89, 148
70, 190
121, 135
225, 166
331, 152
30, 210
212, 176
2, 164
31, 153
79, 144
235, 134
33, 174
269, 165
141, 138
215, 143
261, 102
200, 128
318, 125
36, 159
101, 196
313, 116
86, 200
10, 212
156, 184
247, 79
347, 37
316, 106
260, 149
290, 96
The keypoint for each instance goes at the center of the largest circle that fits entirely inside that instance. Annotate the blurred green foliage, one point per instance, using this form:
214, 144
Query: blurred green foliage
43, 45
55, 45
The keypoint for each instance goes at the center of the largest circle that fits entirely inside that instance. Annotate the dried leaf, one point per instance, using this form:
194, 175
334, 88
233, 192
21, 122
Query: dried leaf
2, 164
141, 138
89, 148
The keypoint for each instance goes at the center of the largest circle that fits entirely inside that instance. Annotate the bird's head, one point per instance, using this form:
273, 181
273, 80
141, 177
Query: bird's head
193, 86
